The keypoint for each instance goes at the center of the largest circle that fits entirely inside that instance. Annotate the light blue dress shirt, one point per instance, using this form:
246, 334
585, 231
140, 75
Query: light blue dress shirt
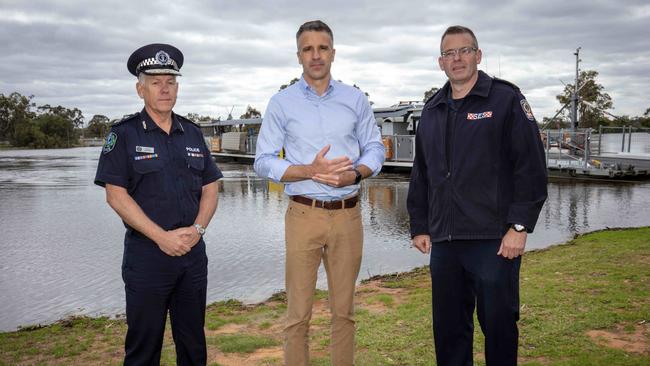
304, 123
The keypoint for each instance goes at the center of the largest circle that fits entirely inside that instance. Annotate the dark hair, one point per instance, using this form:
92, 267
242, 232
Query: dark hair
314, 26
458, 29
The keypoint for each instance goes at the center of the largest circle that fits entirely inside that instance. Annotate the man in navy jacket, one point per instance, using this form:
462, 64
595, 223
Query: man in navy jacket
477, 187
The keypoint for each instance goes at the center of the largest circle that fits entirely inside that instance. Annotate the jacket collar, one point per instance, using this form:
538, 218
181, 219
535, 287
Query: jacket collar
481, 88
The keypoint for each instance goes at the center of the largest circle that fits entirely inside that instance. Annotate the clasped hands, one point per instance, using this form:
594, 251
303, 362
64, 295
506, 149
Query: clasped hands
512, 244
336, 172
178, 242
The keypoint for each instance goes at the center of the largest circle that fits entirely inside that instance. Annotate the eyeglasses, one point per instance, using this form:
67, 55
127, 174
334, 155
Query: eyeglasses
463, 51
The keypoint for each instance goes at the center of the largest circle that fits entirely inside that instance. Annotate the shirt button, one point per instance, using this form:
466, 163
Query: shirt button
448, 174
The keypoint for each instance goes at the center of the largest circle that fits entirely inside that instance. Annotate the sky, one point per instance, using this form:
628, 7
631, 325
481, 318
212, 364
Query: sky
238, 53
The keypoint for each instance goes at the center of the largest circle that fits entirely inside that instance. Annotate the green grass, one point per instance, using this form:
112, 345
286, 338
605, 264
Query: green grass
385, 299
599, 281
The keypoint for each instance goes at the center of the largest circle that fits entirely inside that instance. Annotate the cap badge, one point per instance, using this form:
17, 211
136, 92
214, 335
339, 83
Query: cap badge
162, 57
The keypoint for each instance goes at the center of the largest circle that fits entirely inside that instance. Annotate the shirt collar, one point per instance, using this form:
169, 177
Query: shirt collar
308, 90
149, 125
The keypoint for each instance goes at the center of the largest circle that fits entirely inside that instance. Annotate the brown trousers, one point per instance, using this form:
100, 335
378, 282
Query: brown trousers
336, 236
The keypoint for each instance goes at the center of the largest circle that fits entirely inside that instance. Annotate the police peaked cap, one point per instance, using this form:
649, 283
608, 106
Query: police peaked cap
156, 59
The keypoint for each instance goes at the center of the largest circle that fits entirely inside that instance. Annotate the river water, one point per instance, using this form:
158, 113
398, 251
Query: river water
62, 245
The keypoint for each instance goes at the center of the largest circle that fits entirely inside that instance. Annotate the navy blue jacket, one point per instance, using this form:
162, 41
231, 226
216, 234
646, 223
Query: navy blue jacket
163, 173
495, 173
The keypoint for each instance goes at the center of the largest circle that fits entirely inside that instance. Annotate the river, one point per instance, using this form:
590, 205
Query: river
62, 245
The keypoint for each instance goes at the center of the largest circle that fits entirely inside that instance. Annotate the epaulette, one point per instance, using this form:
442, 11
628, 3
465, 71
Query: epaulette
505, 82
185, 119
126, 118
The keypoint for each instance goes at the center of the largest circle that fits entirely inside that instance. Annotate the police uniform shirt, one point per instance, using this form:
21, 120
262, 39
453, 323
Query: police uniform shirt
163, 173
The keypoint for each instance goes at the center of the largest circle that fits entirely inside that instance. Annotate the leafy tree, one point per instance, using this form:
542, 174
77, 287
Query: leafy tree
73, 115
647, 112
293, 81
98, 126
597, 100
46, 131
251, 112
15, 110
429, 93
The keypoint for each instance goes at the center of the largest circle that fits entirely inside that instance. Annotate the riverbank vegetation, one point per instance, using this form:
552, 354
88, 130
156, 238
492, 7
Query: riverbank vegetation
23, 124
583, 303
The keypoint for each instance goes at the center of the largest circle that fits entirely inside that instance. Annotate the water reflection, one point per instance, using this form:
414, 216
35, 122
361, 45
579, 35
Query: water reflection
62, 244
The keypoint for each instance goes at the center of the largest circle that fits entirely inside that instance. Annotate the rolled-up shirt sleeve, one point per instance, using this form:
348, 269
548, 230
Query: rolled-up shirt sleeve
269, 143
373, 151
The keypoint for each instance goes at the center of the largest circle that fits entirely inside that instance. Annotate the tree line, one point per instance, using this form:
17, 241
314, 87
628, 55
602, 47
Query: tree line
23, 124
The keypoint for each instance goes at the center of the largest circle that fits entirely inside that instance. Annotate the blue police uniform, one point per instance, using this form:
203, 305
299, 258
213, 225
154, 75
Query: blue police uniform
164, 174
479, 168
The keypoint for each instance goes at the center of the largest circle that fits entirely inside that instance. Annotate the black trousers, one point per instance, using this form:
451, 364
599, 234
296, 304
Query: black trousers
156, 283
469, 274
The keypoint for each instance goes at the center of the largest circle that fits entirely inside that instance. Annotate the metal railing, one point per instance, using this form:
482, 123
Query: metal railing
626, 136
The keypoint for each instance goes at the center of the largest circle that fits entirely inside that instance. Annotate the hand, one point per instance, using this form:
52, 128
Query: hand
322, 165
189, 235
174, 243
343, 179
422, 243
513, 244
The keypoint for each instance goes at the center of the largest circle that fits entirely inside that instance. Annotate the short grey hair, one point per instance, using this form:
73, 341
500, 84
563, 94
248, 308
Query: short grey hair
458, 29
141, 77
314, 26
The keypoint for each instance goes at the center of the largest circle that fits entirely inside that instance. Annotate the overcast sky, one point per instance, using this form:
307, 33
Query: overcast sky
73, 53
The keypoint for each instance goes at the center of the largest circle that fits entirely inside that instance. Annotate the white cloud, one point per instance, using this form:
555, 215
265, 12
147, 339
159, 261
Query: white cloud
73, 53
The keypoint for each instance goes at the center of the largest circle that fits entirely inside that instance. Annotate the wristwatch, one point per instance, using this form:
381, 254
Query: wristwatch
519, 228
358, 177
199, 229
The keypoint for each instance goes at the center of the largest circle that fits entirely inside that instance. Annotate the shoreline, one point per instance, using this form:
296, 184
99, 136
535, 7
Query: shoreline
280, 294
586, 301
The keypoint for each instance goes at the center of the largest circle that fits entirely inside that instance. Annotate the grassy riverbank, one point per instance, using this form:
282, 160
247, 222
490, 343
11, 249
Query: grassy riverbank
583, 303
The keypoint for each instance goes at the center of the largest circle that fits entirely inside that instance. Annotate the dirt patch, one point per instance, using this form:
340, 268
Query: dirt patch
229, 328
274, 353
633, 342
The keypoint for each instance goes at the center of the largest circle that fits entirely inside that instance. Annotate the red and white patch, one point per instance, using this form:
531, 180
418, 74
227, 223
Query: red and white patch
482, 115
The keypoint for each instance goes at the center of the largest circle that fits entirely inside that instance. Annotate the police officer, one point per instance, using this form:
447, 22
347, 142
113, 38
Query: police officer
477, 187
161, 180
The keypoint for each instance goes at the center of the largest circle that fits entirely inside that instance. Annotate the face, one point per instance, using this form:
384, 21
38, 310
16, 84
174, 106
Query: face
460, 69
315, 54
159, 92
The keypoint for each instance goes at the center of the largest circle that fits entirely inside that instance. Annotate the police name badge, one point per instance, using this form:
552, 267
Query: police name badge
527, 110
111, 139
144, 149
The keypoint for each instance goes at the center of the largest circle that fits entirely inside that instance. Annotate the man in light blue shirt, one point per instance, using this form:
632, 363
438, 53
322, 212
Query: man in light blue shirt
331, 142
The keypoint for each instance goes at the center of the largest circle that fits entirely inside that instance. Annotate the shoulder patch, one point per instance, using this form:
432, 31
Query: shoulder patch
527, 110
111, 140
